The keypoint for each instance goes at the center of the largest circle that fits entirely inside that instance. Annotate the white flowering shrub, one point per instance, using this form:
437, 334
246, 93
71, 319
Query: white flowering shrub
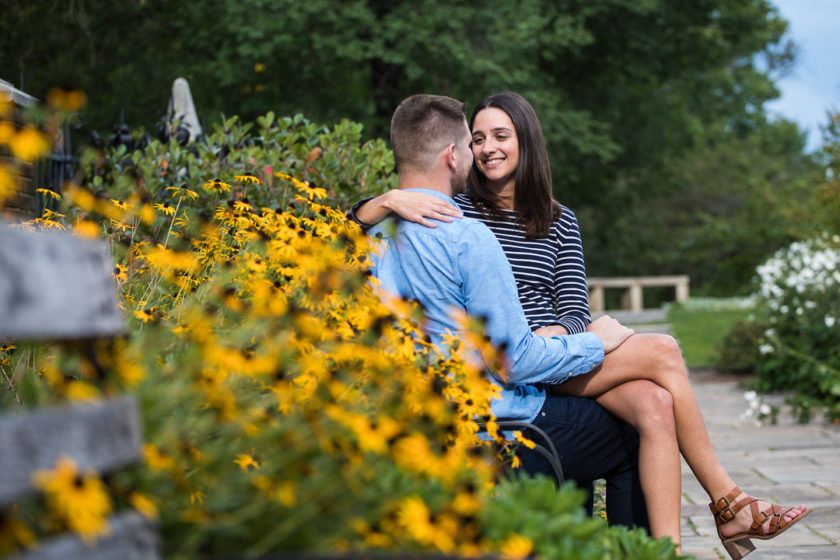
799, 302
759, 412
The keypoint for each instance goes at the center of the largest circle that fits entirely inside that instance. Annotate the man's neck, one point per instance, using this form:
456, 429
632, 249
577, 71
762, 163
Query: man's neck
428, 181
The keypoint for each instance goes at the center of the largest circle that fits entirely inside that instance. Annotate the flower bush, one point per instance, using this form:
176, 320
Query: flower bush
286, 406
334, 161
759, 412
799, 307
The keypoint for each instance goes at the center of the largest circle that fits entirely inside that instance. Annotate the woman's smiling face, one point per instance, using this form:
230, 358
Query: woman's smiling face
495, 147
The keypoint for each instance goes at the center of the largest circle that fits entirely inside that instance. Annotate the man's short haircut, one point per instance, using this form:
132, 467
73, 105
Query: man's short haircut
422, 126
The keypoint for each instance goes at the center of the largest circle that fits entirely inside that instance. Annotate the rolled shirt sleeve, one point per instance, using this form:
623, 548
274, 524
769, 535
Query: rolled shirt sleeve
490, 292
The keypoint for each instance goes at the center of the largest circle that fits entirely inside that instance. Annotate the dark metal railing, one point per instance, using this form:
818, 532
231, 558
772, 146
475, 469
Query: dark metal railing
52, 171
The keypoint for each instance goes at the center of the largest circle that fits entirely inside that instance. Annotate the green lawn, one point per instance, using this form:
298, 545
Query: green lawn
700, 331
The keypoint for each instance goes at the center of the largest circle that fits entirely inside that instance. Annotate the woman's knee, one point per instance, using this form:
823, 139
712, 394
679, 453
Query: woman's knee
668, 354
655, 409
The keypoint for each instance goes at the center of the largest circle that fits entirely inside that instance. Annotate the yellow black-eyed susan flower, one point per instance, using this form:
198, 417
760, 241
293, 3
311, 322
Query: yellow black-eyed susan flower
86, 228
78, 501
242, 206
516, 547
14, 533
216, 186
182, 221
197, 497
7, 184
44, 224
120, 273
308, 190
5, 104
414, 516
156, 459
165, 208
144, 504
49, 193
246, 462
148, 314
520, 437
66, 100
183, 191
248, 178
29, 144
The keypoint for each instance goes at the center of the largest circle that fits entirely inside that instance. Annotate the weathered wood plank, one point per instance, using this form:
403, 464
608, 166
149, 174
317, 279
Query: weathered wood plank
131, 537
54, 285
104, 436
17, 96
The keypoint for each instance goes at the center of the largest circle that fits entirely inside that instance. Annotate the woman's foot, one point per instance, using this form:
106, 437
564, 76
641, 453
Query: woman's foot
752, 517
744, 519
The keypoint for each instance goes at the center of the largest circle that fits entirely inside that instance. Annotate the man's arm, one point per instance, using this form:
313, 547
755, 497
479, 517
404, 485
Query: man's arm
490, 292
611, 332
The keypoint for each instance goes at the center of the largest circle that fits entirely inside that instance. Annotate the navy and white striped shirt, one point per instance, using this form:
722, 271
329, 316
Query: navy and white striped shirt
461, 266
549, 272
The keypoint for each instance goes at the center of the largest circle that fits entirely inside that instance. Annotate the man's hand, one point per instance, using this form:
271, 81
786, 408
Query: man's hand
611, 332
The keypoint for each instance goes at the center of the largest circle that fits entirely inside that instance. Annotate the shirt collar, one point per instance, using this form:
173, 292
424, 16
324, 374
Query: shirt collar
438, 194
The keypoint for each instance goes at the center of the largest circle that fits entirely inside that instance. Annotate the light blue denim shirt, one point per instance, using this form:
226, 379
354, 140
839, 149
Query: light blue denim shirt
460, 265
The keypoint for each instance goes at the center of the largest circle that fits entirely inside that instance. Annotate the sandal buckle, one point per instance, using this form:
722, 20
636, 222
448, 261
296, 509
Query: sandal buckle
727, 514
724, 510
756, 523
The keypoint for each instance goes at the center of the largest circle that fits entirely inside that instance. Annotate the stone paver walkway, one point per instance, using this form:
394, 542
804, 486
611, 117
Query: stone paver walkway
788, 463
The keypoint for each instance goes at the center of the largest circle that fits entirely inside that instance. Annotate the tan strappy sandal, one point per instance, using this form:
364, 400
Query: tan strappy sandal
740, 545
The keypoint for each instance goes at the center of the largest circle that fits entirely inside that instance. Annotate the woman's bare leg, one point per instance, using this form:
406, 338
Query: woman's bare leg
649, 408
657, 358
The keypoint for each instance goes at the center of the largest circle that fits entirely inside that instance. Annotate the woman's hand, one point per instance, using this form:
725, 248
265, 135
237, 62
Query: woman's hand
418, 206
611, 332
409, 205
551, 330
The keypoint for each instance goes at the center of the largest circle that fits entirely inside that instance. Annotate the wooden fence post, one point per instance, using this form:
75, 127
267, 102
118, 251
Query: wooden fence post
54, 286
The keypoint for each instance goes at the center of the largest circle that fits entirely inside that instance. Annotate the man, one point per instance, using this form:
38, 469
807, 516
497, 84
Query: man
460, 265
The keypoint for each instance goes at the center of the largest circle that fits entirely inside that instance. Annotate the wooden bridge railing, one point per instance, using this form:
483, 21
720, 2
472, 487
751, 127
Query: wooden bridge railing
633, 286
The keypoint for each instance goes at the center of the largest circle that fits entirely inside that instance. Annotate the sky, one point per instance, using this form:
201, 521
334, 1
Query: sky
814, 85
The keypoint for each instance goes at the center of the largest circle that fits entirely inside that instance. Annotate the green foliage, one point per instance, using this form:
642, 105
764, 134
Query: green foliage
738, 350
701, 329
829, 188
730, 204
336, 159
800, 303
787, 348
557, 526
286, 407
626, 93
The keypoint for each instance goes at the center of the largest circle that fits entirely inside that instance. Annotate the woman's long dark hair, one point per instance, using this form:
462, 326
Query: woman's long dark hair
535, 207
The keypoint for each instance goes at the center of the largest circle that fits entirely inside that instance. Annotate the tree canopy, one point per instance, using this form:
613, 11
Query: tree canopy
635, 96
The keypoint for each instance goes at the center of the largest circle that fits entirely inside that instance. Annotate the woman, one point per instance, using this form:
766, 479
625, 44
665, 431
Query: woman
644, 381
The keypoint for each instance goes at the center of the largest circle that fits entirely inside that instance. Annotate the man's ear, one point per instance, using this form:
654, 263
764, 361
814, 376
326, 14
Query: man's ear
451, 157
